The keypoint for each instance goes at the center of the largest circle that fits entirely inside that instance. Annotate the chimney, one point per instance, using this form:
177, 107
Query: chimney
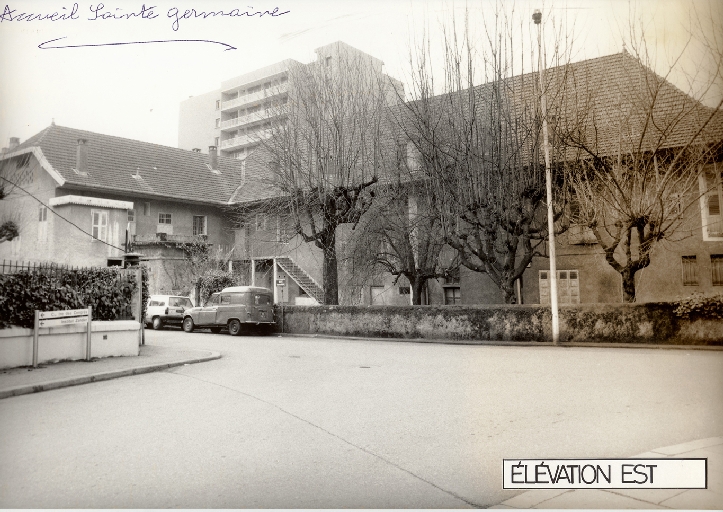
214, 157
14, 142
196, 150
81, 160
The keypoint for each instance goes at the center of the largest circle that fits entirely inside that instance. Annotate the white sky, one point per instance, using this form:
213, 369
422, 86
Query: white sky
134, 91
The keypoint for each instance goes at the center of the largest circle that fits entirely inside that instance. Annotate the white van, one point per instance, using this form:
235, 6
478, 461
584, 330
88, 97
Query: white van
166, 309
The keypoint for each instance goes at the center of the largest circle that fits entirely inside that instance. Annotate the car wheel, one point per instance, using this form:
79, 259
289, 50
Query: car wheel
234, 327
215, 330
157, 323
188, 324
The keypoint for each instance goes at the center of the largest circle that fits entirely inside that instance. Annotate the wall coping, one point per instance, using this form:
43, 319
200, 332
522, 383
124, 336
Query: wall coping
96, 326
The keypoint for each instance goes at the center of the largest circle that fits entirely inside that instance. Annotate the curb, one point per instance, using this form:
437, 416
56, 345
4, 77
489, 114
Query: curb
564, 344
98, 377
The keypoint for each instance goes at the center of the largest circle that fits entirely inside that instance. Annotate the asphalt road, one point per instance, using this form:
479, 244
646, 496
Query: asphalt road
319, 423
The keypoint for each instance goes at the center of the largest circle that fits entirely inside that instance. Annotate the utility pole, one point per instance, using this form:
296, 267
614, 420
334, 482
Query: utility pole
537, 18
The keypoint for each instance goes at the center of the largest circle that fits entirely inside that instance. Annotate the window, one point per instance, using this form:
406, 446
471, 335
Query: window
414, 157
218, 122
262, 300
147, 209
215, 141
260, 221
42, 223
690, 271
711, 188
452, 295
377, 295
404, 290
328, 61
199, 225
716, 268
282, 231
131, 215
451, 276
218, 104
165, 224
180, 302
100, 225
15, 247
579, 233
568, 287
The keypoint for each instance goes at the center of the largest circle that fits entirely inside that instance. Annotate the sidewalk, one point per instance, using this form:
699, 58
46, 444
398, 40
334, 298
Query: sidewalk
21, 381
710, 498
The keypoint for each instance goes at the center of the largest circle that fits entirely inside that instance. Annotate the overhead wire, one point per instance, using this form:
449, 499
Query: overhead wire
58, 215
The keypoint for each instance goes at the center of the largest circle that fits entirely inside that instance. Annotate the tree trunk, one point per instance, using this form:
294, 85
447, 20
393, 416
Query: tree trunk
417, 290
508, 291
331, 272
628, 276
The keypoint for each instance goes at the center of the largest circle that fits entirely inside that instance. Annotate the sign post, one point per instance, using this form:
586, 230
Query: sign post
36, 327
87, 347
281, 282
56, 318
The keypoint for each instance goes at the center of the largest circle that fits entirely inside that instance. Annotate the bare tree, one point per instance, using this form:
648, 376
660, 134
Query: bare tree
325, 150
12, 171
481, 147
401, 236
642, 146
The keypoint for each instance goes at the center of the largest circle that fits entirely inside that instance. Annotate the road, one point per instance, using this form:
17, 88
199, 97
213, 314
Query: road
319, 423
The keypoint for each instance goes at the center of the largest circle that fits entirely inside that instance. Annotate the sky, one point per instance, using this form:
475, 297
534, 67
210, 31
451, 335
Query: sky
134, 90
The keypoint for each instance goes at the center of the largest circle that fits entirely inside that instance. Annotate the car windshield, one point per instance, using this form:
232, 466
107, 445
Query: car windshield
212, 300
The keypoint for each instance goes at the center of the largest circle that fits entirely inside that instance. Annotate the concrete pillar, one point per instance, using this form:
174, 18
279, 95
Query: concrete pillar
253, 272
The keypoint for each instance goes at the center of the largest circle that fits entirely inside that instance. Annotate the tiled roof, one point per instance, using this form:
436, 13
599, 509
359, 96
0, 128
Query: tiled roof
606, 99
159, 170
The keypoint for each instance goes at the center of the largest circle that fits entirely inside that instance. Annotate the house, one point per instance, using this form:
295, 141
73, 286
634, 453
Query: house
78, 193
84, 198
602, 88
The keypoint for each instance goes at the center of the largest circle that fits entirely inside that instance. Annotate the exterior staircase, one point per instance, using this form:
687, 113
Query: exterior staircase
304, 280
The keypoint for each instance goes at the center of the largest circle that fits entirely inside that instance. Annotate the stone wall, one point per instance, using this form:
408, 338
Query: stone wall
587, 323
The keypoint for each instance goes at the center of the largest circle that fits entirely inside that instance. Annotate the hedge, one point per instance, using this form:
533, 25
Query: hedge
107, 290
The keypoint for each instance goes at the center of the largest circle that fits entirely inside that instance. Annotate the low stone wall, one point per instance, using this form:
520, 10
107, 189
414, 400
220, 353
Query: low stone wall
68, 342
584, 323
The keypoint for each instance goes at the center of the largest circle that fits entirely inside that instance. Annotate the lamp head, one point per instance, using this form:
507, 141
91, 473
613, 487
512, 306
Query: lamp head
537, 16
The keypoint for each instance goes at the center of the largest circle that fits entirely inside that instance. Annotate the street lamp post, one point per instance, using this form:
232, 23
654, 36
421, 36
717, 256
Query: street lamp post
537, 18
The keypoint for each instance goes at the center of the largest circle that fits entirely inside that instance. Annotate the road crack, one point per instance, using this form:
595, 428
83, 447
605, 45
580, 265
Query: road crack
338, 437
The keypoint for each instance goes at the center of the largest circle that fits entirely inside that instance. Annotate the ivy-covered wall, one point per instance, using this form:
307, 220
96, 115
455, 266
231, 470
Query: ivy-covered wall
655, 323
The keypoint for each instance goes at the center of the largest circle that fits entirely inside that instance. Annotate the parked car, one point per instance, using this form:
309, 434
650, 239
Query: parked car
166, 309
233, 308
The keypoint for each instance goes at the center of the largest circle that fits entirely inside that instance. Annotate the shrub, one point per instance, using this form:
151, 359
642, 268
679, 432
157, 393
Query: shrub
700, 306
104, 289
214, 281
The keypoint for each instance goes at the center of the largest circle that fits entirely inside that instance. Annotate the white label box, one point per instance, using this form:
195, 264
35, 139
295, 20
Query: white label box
665, 473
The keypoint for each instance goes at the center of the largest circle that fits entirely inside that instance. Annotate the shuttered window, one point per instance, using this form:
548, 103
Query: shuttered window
716, 269
568, 287
690, 271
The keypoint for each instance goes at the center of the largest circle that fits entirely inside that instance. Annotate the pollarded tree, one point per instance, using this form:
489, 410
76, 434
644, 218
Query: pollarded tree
645, 149
401, 236
325, 149
481, 147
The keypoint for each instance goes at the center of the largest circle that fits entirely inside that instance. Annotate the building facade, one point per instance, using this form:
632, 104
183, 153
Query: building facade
84, 199
239, 115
